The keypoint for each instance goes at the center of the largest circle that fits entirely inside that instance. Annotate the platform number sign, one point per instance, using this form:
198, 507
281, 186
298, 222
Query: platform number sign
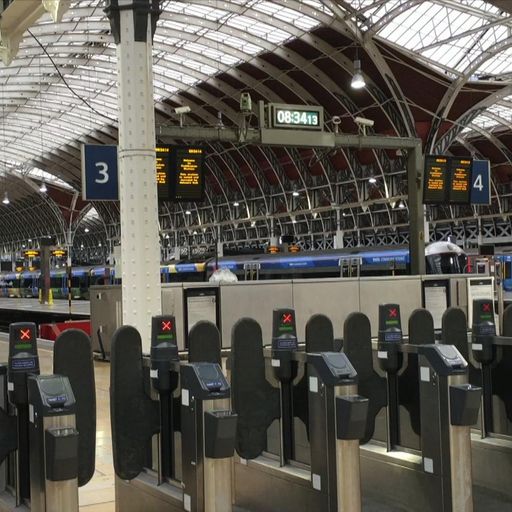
99, 173
481, 182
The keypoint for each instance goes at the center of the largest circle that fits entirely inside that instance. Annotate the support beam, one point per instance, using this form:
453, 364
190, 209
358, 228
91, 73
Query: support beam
133, 25
21, 15
416, 210
291, 138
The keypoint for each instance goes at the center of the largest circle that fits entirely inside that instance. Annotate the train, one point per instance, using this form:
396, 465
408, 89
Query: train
441, 258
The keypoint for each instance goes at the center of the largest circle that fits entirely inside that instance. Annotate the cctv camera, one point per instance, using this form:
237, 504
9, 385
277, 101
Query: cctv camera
182, 110
336, 120
245, 102
362, 121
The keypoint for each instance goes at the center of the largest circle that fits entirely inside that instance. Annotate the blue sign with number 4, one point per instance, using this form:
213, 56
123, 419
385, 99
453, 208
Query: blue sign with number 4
481, 182
99, 173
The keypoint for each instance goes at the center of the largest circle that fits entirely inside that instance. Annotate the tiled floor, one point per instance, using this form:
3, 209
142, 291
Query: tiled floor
98, 494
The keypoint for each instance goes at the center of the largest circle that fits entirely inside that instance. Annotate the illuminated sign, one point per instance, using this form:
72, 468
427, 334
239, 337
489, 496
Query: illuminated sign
187, 182
273, 249
435, 179
296, 116
163, 328
31, 253
162, 172
59, 253
294, 248
460, 180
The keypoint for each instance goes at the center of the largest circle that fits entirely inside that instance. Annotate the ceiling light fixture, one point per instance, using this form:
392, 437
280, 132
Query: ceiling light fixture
236, 203
43, 189
372, 180
5, 200
358, 81
188, 212
295, 193
86, 230
401, 204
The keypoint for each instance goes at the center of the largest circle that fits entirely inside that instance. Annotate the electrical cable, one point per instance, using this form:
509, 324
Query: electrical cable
83, 100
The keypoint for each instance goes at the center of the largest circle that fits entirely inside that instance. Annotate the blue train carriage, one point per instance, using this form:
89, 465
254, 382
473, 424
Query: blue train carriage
441, 258
10, 284
183, 272
506, 261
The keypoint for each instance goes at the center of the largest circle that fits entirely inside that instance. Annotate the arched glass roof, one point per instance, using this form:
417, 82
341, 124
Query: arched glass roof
61, 88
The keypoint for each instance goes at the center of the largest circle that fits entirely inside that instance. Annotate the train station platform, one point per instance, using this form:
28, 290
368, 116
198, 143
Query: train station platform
78, 307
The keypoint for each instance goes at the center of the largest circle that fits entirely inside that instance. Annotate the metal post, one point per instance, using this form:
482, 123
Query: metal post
133, 25
416, 210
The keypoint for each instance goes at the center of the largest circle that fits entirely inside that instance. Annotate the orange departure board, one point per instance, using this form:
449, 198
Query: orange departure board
459, 191
162, 172
436, 178
187, 181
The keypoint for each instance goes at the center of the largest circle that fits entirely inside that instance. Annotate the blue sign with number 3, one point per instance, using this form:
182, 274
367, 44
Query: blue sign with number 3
481, 182
99, 173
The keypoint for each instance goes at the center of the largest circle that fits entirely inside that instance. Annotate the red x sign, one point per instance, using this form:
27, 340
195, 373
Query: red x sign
486, 307
287, 318
24, 334
393, 313
166, 325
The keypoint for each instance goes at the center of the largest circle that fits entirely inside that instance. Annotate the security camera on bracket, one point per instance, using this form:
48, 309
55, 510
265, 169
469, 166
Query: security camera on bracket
364, 123
181, 111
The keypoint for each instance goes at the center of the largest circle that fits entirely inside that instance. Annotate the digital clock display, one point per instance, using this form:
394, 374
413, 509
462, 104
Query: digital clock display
297, 116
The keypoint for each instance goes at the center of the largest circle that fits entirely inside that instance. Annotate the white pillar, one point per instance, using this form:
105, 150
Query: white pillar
140, 244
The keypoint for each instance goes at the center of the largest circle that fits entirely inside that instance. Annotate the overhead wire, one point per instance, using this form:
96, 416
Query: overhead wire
64, 81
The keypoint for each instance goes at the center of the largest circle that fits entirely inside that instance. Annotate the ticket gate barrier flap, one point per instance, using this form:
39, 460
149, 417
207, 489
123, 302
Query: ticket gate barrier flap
204, 345
358, 347
53, 444
421, 332
454, 330
254, 399
134, 416
319, 338
8, 434
73, 358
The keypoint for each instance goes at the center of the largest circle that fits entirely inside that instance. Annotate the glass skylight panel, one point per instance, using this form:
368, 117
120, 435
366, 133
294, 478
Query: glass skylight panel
290, 16
250, 25
240, 44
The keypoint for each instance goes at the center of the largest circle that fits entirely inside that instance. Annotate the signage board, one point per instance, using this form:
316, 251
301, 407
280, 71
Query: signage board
436, 178
99, 173
187, 182
459, 189
481, 182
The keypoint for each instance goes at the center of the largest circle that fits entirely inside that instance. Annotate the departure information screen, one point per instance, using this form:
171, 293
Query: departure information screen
162, 172
447, 179
187, 183
460, 182
179, 173
436, 179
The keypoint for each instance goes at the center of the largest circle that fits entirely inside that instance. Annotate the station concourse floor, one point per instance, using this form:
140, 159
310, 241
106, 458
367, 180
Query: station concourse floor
98, 495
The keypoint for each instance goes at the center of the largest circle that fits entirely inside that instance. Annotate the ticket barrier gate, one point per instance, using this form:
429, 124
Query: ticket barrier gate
437, 476
207, 430
47, 438
337, 418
